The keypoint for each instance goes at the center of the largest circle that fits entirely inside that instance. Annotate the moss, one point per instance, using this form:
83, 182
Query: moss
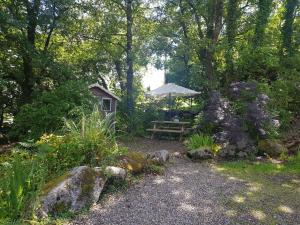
88, 178
54, 182
60, 207
135, 162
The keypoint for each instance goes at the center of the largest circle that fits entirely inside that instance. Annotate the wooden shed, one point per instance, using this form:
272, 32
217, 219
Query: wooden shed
107, 100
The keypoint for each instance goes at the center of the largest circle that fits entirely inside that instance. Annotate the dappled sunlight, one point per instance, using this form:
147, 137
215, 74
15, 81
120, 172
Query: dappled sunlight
287, 185
176, 179
295, 181
254, 187
258, 214
285, 209
238, 199
176, 193
235, 179
187, 195
159, 180
219, 169
231, 213
187, 207
249, 193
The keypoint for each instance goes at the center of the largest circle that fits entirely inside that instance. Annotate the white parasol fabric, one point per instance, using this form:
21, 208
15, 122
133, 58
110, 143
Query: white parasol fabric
172, 90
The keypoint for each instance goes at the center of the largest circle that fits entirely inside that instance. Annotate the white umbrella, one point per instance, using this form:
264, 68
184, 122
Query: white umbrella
172, 90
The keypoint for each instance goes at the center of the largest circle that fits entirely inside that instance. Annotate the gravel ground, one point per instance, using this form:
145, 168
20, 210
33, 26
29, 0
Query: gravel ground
188, 193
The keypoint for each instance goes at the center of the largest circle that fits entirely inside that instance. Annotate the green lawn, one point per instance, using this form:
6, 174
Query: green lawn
271, 194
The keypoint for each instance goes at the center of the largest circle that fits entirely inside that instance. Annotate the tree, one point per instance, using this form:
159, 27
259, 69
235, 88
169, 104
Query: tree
287, 28
263, 14
232, 17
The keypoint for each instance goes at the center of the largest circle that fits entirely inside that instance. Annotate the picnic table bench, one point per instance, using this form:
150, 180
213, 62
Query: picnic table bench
169, 127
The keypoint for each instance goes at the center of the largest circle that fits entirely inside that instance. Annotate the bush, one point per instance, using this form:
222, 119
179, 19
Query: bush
45, 113
22, 178
88, 141
197, 141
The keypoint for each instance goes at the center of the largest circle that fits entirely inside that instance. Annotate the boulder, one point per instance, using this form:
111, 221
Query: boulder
243, 90
228, 128
135, 162
160, 156
201, 153
72, 192
271, 147
256, 113
116, 172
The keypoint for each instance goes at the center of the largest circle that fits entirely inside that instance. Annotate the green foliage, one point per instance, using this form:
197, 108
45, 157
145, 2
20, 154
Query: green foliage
45, 114
247, 168
23, 175
145, 112
197, 141
284, 96
89, 141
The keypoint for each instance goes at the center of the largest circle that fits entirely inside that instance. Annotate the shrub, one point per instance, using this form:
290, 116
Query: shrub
88, 141
22, 177
197, 141
45, 113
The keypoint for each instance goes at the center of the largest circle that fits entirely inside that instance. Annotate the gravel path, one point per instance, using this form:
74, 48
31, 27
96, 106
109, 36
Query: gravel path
188, 193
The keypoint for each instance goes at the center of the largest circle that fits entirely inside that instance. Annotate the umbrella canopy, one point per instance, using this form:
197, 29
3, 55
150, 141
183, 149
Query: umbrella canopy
172, 90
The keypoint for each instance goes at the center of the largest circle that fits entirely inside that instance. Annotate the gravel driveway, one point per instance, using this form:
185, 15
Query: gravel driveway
188, 193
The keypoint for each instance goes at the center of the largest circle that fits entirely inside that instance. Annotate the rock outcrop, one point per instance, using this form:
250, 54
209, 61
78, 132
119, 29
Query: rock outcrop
160, 156
256, 113
116, 172
227, 127
75, 190
271, 147
202, 153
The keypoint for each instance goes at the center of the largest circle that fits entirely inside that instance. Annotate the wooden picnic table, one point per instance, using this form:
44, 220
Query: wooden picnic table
169, 127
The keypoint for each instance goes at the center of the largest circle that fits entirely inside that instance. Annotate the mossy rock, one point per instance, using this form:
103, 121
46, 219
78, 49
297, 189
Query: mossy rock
73, 191
271, 147
135, 162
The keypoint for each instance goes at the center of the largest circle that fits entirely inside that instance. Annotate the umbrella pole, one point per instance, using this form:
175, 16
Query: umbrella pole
170, 106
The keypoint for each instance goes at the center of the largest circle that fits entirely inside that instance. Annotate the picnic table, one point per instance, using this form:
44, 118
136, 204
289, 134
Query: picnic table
169, 127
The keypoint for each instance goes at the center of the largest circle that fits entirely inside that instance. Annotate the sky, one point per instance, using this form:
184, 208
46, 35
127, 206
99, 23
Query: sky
153, 77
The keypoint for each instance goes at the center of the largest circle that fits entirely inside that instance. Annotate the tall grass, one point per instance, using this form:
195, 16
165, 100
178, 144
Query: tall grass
19, 187
199, 140
94, 123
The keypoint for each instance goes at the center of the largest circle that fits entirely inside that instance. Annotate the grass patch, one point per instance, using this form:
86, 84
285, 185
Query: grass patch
243, 167
270, 194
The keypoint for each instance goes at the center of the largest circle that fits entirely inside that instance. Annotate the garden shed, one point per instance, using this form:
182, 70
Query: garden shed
107, 100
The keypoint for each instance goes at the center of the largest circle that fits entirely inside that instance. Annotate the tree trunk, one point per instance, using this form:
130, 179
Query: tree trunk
1, 117
129, 58
184, 26
27, 83
287, 29
120, 75
231, 30
263, 14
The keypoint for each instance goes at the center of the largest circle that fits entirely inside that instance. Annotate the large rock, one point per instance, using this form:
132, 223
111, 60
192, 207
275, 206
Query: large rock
135, 162
271, 147
72, 192
202, 153
227, 127
160, 156
243, 90
255, 112
116, 172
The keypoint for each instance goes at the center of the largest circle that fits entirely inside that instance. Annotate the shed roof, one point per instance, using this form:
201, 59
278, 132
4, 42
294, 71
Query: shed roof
96, 85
